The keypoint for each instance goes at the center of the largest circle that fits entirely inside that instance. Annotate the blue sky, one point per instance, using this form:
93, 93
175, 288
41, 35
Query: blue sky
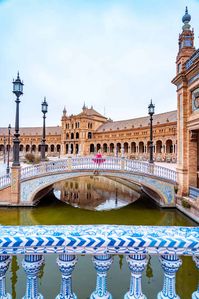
115, 55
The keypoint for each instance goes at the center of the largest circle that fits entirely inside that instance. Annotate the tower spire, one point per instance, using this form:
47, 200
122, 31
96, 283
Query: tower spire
186, 19
64, 111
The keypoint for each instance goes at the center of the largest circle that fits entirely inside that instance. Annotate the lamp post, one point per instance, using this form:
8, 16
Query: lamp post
31, 145
8, 149
18, 91
44, 109
4, 149
151, 111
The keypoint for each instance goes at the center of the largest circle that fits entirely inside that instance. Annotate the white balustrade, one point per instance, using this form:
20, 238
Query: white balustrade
101, 242
4, 181
93, 163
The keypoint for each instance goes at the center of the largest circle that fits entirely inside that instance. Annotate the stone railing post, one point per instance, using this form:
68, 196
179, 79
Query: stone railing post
170, 265
195, 295
15, 184
66, 265
69, 164
32, 265
137, 264
102, 264
4, 264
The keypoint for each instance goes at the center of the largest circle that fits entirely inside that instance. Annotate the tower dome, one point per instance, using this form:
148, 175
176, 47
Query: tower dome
186, 19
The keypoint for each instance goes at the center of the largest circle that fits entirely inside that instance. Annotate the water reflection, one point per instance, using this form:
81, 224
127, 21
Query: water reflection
95, 193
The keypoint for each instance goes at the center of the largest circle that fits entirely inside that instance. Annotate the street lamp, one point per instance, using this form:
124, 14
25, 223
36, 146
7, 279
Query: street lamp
8, 149
4, 149
44, 109
18, 91
151, 111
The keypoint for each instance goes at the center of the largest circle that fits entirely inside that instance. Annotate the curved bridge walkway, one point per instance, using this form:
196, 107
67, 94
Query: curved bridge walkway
161, 181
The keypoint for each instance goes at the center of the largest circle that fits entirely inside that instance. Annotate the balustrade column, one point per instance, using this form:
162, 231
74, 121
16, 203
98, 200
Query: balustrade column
137, 264
195, 295
32, 265
102, 264
170, 265
4, 264
66, 265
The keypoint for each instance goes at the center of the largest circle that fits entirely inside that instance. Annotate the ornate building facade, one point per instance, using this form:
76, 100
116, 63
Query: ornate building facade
187, 83
89, 132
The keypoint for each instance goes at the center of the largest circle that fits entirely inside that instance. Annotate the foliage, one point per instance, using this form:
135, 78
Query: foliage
186, 204
31, 158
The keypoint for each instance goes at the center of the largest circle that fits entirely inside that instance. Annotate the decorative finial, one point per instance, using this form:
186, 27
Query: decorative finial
186, 19
18, 75
84, 106
64, 111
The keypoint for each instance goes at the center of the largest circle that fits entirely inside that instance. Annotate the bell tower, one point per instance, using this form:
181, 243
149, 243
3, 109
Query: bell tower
185, 42
186, 50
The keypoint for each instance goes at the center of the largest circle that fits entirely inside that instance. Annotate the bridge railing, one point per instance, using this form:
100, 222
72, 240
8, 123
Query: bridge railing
4, 181
101, 242
92, 163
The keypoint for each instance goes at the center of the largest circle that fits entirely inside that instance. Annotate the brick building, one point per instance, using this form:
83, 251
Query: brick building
88, 132
187, 83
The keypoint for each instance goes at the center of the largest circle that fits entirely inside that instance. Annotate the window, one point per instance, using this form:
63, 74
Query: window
89, 135
179, 67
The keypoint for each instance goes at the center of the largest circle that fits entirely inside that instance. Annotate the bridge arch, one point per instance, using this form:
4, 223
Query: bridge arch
151, 187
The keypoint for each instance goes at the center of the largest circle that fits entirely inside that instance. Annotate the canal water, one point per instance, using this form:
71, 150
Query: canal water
96, 200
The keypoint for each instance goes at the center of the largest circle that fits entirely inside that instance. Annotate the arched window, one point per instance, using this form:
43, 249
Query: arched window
72, 135
105, 148
133, 147
77, 135
158, 146
52, 148
58, 148
89, 135
111, 148
27, 148
141, 147
126, 147
169, 146
92, 148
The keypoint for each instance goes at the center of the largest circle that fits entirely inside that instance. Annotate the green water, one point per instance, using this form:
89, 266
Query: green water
141, 212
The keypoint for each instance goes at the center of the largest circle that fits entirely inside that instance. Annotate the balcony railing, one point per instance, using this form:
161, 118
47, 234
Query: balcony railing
102, 242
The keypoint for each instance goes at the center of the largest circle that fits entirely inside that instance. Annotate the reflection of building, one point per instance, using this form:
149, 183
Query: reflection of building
88, 132
187, 83
90, 192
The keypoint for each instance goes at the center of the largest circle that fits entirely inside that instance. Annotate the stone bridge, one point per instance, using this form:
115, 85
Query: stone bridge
29, 184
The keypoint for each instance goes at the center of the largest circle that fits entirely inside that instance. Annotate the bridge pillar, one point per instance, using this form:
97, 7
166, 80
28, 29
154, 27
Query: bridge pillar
66, 265
4, 264
32, 265
195, 295
102, 265
137, 264
15, 184
170, 265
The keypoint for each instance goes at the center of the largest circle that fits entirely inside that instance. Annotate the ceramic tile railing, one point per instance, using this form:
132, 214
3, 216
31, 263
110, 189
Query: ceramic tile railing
102, 242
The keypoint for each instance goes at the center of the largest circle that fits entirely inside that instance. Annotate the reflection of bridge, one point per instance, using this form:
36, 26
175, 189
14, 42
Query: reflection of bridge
32, 182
